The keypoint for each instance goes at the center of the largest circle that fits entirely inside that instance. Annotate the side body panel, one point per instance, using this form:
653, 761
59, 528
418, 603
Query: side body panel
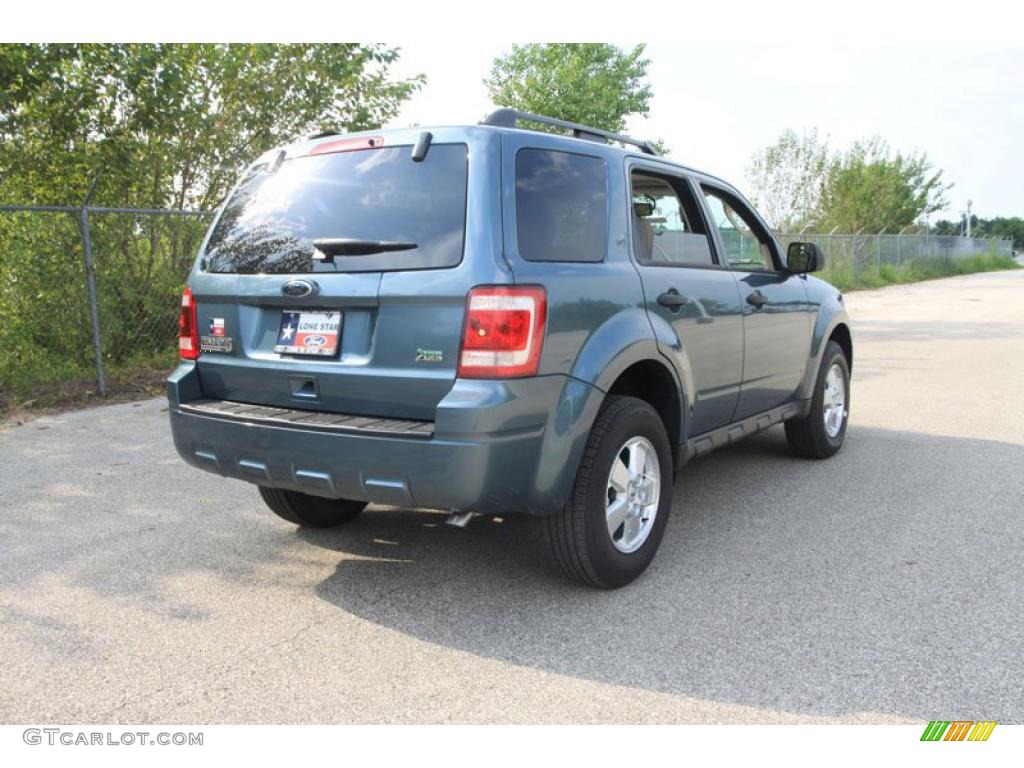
828, 313
778, 336
596, 325
777, 329
597, 322
705, 335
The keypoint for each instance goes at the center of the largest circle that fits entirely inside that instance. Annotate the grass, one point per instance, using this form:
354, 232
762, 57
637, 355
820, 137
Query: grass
65, 389
916, 271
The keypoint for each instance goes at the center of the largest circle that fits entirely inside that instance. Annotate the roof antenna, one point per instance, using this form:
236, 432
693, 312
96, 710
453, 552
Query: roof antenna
419, 152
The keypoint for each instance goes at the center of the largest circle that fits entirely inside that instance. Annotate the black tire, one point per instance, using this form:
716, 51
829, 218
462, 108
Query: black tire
310, 511
578, 533
807, 437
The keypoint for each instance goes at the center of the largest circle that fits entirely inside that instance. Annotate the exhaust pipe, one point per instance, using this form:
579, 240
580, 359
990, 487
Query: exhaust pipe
459, 519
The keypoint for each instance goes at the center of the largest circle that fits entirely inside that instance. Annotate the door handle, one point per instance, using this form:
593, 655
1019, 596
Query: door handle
757, 299
673, 300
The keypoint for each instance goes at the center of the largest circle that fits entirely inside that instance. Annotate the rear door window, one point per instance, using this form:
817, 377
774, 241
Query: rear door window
561, 206
417, 210
667, 226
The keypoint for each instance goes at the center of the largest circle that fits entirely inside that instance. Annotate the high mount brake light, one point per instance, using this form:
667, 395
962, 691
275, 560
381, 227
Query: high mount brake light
347, 145
504, 332
188, 329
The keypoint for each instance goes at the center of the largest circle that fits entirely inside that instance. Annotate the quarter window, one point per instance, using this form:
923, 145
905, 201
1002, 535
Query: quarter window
561, 206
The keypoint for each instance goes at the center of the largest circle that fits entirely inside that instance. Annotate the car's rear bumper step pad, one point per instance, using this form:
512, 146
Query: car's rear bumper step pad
317, 421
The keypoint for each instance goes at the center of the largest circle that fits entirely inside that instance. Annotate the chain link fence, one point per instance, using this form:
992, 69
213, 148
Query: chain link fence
91, 293
849, 259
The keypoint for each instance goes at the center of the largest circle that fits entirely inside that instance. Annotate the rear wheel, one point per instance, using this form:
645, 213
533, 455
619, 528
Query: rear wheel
310, 511
821, 433
608, 533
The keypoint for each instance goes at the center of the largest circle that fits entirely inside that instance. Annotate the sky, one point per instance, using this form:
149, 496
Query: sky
960, 102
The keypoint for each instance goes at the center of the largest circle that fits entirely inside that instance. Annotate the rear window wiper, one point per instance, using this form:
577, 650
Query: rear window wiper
329, 247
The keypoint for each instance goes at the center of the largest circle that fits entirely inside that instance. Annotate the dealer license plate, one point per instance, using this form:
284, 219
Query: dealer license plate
309, 333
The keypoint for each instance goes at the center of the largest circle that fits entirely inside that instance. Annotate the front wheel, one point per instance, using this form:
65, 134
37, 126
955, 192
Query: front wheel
821, 432
310, 511
608, 532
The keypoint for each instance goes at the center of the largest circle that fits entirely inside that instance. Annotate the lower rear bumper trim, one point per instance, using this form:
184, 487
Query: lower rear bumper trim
314, 421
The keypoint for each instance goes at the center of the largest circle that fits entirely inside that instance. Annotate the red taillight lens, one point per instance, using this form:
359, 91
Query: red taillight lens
504, 332
188, 331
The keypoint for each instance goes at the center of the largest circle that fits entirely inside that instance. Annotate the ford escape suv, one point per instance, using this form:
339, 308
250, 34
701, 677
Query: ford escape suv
491, 319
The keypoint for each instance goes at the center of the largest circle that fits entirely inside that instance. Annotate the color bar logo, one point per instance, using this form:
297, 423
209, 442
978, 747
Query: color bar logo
958, 730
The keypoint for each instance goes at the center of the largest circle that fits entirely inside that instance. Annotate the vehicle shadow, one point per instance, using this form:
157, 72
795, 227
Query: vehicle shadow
886, 580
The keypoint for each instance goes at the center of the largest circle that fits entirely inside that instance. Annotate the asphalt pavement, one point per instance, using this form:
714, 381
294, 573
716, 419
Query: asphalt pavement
883, 585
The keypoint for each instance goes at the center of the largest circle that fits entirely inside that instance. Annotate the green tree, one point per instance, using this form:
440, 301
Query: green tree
596, 84
173, 124
786, 179
157, 126
869, 187
946, 227
1001, 227
799, 182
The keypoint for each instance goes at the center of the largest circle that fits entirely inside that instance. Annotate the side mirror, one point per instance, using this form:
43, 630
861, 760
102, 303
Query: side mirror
804, 257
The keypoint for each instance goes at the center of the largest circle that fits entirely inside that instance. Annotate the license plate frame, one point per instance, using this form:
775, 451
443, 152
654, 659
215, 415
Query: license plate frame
310, 332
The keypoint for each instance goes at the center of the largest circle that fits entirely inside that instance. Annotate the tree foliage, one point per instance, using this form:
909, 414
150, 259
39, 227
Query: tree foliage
799, 182
1011, 227
596, 84
786, 179
1003, 227
870, 188
171, 125
156, 126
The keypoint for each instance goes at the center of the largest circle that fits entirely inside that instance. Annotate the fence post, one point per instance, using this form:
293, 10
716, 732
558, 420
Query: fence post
90, 279
856, 249
899, 246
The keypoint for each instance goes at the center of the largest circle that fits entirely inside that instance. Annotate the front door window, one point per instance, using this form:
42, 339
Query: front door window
747, 246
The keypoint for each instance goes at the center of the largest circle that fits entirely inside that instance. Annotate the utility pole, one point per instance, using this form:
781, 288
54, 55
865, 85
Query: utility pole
969, 218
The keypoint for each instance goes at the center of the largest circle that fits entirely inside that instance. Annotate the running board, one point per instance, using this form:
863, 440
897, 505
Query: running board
730, 433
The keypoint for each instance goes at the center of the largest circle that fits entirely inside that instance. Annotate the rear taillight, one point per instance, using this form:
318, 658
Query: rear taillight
504, 332
188, 332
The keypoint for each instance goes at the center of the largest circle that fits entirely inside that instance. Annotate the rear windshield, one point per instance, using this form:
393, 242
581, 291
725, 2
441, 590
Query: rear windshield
273, 218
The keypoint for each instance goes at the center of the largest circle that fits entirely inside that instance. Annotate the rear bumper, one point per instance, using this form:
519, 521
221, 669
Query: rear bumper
496, 447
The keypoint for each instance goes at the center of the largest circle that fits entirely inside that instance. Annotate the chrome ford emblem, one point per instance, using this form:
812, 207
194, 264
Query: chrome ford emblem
300, 288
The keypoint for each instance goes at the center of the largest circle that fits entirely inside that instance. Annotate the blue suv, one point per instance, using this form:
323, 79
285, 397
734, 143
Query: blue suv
492, 319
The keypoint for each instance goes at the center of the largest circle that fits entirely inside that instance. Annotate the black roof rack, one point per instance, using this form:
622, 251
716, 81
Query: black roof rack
322, 134
507, 118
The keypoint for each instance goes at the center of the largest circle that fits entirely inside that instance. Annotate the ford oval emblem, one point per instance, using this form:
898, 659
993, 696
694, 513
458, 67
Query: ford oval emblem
300, 288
